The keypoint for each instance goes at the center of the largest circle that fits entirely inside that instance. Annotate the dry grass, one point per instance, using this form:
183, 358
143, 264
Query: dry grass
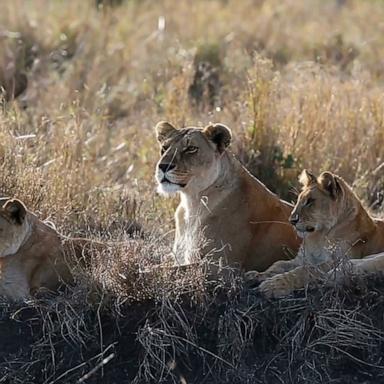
299, 83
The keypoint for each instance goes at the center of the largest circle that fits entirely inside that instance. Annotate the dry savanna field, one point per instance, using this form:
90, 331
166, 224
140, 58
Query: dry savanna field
301, 85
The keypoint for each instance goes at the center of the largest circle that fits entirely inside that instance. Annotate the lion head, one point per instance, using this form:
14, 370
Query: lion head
14, 226
190, 157
323, 201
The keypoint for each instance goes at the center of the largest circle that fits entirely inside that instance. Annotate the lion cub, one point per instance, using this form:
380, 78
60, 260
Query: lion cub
31, 253
333, 224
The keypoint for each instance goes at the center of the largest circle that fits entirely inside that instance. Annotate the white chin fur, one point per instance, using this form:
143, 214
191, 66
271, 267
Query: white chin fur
168, 188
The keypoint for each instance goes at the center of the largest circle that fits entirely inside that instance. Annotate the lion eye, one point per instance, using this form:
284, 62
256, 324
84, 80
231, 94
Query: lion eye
191, 149
309, 202
164, 149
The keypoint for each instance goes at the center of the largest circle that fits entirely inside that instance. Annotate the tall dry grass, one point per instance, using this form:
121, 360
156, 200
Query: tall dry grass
300, 84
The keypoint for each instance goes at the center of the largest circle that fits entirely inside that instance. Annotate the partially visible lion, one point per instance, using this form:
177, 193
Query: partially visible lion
369, 264
31, 253
334, 226
224, 213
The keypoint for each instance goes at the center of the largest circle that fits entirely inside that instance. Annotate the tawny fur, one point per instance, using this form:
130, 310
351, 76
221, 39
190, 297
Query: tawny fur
334, 225
224, 212
38, 259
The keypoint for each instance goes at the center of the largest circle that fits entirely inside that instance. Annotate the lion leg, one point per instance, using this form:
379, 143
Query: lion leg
285, 283
369, 264
279, 267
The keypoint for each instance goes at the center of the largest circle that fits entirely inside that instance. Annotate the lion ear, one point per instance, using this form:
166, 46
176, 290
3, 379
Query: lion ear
330, 184
219, 134
164, 130
307, 178
16, 210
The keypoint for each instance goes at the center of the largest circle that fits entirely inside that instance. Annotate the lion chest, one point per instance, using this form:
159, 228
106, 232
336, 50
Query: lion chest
316, 251
190, 237
313, 256
203, 230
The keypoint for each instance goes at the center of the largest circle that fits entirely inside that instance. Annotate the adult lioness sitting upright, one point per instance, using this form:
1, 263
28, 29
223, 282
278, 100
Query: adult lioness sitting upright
224, 211
334, 225
31, 254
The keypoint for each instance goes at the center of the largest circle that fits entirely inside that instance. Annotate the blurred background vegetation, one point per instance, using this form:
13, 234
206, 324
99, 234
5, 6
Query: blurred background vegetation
83, 83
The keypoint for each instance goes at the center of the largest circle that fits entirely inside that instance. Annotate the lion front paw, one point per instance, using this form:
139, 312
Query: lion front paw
275, 287
252, 278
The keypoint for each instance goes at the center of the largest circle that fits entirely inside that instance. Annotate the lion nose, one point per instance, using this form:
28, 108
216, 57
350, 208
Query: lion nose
166, 167
294, 219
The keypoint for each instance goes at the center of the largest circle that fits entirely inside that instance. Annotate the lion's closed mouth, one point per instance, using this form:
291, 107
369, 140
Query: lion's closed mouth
166, 181
305, 230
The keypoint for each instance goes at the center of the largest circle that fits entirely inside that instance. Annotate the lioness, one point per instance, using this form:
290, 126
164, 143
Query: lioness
224, 213
31, 254
333, 224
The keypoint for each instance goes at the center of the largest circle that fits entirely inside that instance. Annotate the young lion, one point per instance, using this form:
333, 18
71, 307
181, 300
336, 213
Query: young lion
334, 224
31, 254
225, 213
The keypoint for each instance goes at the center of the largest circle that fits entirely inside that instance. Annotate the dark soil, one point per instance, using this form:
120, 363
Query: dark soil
230, 335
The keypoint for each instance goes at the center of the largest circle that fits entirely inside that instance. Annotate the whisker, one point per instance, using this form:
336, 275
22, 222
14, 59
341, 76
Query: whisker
179, 173
173, 158
176, 177
269, 222
178, 181
294, 191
